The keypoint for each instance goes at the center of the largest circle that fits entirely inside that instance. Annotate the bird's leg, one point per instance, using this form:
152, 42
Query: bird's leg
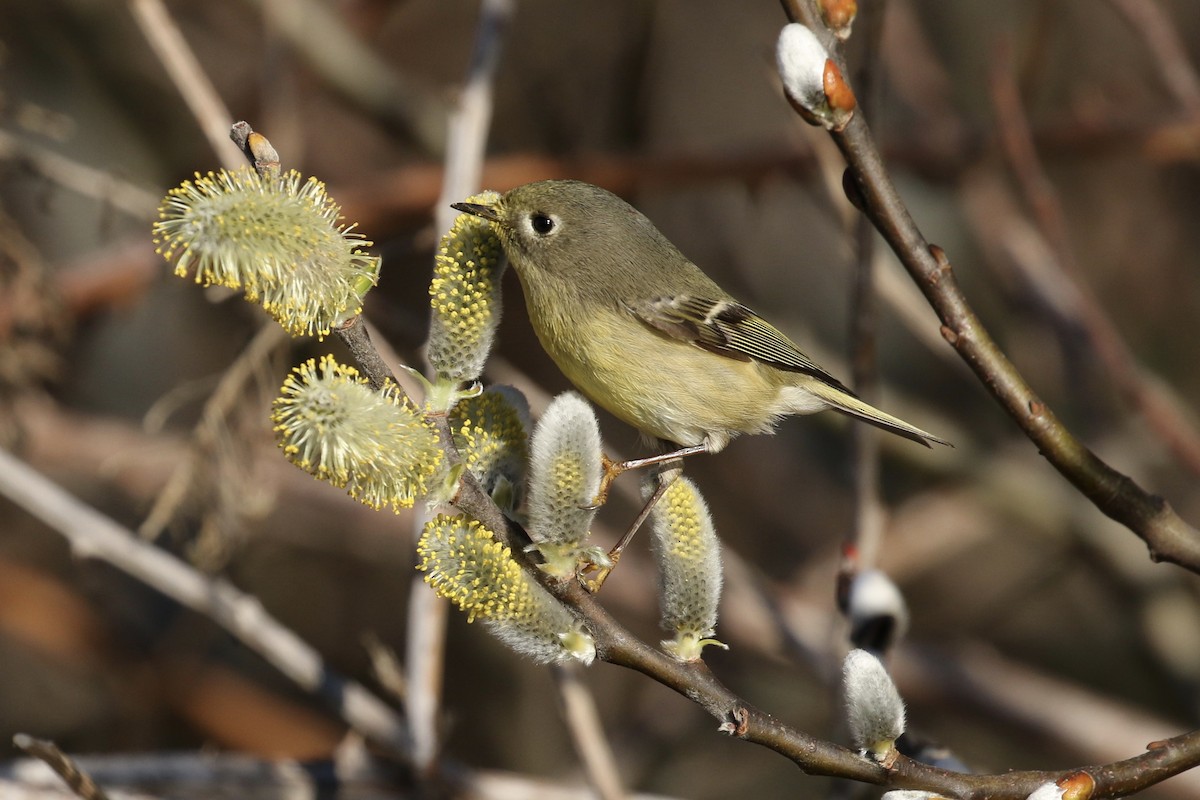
614, 468
669, 471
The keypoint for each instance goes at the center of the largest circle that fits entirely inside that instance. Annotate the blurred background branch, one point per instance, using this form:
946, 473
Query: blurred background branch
673, 106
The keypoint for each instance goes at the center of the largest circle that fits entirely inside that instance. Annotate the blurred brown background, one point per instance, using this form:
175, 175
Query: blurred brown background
1021, 593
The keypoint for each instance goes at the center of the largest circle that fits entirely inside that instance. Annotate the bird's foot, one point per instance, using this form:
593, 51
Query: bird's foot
594, 570
611, 469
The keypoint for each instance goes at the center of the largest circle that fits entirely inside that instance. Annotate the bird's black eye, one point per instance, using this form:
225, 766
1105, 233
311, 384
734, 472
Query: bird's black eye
542, 224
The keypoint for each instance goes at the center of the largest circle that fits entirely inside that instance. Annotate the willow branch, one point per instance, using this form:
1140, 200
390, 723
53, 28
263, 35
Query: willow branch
1168, 537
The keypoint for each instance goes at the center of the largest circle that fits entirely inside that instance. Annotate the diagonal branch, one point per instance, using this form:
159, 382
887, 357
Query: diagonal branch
1168, 537
63, 765
184, 68
94, 535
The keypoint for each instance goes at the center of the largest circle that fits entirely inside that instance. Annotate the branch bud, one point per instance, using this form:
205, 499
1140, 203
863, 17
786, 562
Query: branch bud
812, 80
874, 710
838, 16
564, 478
875, 608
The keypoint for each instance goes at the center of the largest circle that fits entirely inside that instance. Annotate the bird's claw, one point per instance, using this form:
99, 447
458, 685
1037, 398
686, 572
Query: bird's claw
611, 469
598, 572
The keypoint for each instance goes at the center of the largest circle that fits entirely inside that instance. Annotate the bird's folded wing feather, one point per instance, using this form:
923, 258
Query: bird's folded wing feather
727, 328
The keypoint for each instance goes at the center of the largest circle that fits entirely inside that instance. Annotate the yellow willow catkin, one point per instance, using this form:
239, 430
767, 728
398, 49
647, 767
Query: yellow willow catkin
465, 564
465, 296
376, 445
276, 240
689, 563
490, 433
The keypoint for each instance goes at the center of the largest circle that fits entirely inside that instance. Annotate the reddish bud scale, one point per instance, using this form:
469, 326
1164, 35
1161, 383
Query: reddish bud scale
1077, 786
837, 91
839, 14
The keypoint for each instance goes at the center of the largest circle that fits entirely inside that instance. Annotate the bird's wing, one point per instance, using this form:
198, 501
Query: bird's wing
727, 328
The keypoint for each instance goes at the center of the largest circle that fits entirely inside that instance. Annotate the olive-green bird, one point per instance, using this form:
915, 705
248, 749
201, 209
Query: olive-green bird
645, 334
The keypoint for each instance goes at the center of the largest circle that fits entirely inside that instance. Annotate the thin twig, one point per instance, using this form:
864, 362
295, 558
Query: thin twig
867, 533
207, 432
185, 71
583, 723
354, 335
425, 651
320, 37
1170, 55
93, 535
1045, 706
62, 764
465, 149
86, 180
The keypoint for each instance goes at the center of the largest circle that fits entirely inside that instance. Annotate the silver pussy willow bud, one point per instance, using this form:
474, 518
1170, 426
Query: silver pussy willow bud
564, 478
465, 564
689, 564
465, 296
1047, 791
812, 80
276, 239
490, 432
376, 445
874, 710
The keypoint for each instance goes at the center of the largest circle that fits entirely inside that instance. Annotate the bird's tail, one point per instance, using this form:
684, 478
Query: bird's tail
850, 405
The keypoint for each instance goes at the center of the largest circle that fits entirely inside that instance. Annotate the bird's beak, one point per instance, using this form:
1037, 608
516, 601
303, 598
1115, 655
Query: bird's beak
479, 210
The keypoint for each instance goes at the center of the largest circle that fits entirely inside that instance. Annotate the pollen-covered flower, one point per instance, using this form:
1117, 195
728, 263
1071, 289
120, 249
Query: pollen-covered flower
564, 478
465, 295
689, 564
276, 239
874, 710
376, 445
489, 431
465, 564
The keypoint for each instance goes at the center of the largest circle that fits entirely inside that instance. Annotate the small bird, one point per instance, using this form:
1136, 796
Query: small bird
645, 334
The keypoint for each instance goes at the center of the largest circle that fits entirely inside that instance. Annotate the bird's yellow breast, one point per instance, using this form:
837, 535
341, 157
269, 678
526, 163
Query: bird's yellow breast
666, 388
